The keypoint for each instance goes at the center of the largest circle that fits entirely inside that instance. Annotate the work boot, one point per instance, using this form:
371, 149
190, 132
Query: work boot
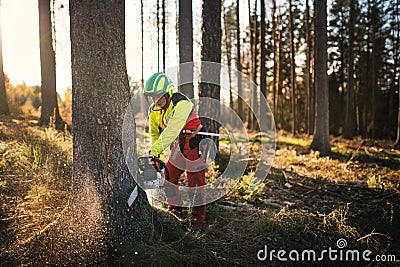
198, 218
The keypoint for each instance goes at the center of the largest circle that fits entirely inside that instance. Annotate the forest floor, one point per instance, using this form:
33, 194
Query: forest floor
340, 206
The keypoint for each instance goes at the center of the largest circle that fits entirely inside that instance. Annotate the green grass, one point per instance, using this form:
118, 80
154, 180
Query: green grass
323, 212
35, 174
32, 157
292, 141
38, 193
36, 169
244, 189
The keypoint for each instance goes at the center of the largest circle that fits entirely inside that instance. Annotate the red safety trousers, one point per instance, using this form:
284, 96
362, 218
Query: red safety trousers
195, 179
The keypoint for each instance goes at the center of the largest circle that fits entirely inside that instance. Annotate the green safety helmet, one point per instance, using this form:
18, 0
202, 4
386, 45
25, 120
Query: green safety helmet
158, 84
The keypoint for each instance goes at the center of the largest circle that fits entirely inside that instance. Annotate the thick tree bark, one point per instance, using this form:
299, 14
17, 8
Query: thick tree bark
48, 69
396, 60
365, 92
157, 21
250, 66
350, 120
293, 71
313, 93
376, 50
164, 40
4, 110
278, 82
254, 122
312, 75
211, 51
142, 43
274, 68
308, 73
186, 47
228, 46
100, 98
239, 63
397, 143
263, 67
320, 140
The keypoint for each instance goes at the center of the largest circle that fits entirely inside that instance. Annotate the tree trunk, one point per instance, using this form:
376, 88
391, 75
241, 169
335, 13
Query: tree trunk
397, 143
158, 34
349, 127
307, 74
48, 69
211, 51
274, 50
142, 43
263, 68
228, 44
320, 140
396, 60
250, 66
239, 63
164, 43
186, 47
254, 121
378, 45
372, 101
277, 63
101, 179
365, 92
249, 114
313, 88
4, 110
293, 71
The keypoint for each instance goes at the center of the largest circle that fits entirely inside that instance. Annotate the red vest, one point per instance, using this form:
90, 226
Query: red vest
192, 122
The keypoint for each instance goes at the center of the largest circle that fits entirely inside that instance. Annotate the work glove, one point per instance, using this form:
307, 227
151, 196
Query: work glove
152, 155
152, 161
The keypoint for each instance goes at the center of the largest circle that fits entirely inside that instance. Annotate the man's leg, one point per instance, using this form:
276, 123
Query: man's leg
196, 182
174, 175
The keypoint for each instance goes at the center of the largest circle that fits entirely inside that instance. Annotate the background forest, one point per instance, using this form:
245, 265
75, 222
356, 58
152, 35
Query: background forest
329, 71
278, 45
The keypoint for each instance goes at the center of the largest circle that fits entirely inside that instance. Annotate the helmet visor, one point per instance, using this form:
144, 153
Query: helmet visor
156, 99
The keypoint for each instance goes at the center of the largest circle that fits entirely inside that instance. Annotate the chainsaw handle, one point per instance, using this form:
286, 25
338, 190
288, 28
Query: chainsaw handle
156, 160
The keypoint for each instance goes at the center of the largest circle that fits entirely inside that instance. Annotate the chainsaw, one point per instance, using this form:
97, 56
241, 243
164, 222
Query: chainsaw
151, 172
150, 175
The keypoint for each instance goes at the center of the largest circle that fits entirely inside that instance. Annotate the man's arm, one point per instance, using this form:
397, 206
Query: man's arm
153, 127
174, 126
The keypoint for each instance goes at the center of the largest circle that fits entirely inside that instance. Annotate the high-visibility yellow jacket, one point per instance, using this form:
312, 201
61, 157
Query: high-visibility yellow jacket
166, 124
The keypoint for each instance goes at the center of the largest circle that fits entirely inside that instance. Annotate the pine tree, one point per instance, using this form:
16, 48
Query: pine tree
320, 140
